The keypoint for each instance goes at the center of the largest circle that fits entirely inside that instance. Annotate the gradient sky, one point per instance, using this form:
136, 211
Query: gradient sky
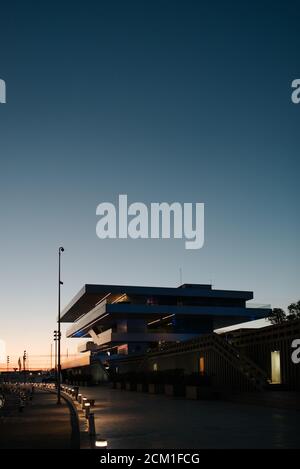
164, 101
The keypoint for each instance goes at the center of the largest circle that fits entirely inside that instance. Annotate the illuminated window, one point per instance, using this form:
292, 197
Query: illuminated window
155, 367
275, 367
201, 365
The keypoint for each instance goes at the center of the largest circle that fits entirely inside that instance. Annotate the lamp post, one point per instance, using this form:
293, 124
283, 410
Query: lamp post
24, 365
55, 354
60, 250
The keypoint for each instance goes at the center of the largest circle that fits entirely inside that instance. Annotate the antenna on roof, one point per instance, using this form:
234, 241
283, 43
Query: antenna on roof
180, 276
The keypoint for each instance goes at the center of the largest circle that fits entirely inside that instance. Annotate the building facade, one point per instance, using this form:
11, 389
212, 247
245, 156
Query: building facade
130, 320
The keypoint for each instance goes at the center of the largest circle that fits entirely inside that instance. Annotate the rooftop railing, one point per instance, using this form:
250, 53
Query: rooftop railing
258, 305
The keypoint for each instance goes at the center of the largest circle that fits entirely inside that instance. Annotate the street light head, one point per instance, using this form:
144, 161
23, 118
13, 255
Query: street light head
61, 249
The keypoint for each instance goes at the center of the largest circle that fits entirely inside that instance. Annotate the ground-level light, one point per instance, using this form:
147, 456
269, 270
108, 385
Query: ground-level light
87, 406
84, 399
100, 443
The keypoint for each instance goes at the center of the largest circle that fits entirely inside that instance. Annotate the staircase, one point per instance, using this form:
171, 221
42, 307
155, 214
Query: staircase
249, 369
254, 374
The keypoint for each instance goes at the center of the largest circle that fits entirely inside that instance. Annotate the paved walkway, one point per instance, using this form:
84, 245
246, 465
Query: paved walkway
42, 424
135, 420
277, 399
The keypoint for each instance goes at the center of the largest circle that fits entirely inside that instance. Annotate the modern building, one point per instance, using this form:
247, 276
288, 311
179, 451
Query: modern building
241, 360
128, 320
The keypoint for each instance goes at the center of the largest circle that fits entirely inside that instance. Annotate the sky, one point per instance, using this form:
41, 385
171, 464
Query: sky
163, 100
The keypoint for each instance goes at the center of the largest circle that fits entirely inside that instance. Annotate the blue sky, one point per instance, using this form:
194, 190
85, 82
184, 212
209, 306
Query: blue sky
164, 101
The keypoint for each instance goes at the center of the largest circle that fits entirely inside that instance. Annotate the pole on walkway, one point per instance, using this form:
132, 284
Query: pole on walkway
55, 354
60, 250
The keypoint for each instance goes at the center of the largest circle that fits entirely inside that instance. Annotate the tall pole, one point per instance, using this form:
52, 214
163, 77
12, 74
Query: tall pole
55, 355
24, 365
24, 361
60, 250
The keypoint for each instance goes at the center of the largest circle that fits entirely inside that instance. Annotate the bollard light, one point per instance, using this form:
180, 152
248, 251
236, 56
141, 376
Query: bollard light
84, 399
100, 443
87, 406
92, 430
75, 394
